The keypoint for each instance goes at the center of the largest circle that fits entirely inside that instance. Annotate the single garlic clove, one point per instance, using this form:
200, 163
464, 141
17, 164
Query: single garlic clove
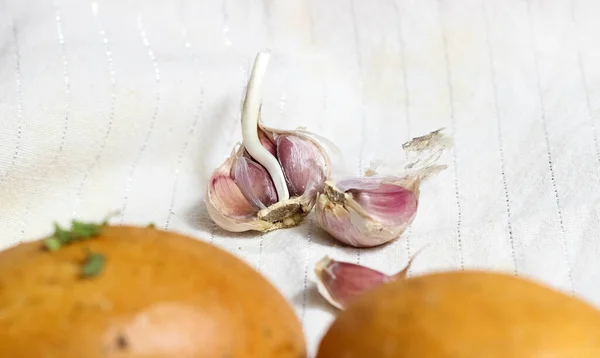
343, 216
388, 203
370, 211
228, 195
254, 182
302, 162
340, 282
225, 203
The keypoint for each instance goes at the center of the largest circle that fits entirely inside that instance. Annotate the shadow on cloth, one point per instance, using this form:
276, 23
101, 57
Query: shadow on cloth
311, 298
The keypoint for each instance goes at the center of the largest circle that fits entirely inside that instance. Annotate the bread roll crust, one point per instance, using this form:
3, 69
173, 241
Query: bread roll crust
159, 295
469, 314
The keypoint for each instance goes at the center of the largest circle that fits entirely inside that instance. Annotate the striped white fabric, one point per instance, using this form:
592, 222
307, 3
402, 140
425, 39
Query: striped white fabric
129, 105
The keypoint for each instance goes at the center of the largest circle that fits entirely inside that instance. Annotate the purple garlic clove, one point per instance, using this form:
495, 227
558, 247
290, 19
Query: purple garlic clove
341, 282
302, 163
369, 212
254, 182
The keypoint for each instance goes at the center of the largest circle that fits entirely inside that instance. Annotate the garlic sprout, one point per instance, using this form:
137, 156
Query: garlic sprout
271, 180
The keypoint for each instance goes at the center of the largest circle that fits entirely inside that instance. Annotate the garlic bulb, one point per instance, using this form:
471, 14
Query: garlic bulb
373, 210
340, 282
271, 180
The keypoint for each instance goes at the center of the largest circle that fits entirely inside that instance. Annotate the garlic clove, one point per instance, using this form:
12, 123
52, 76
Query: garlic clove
389, 203
254, 182
373, 210
226, 192
302, 163
340, 282
343, 216
225, 203
305, 177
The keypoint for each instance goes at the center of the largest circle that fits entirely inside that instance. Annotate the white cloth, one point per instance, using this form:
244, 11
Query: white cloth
129, 105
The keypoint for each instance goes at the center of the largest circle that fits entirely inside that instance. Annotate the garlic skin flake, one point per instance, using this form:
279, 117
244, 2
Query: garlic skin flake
270, 181
373, 210
340, 282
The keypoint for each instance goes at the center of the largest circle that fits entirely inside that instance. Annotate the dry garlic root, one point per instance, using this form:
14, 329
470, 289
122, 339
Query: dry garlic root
375, 209
270, 181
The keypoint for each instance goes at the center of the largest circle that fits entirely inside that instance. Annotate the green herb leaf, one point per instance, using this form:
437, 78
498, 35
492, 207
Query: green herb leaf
151, 226
93, 265
63, 236
58, 239
79, 231
83, 230
52, 243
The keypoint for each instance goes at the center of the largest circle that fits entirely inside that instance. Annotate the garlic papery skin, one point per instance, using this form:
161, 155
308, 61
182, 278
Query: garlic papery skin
340, 282
371, 211
302, 166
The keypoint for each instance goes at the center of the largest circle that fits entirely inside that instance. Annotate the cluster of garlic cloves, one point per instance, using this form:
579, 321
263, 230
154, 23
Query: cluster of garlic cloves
270, 181
275, 178
341, 282
373, 210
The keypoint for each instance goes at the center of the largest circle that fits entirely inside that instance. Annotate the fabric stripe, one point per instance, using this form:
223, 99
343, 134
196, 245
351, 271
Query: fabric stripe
67, 106
67, 84
362, 103
111, 110
19, 104
152, 122
402, 47
547, 144
500, 139
453, 125
192, 129
584, 83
